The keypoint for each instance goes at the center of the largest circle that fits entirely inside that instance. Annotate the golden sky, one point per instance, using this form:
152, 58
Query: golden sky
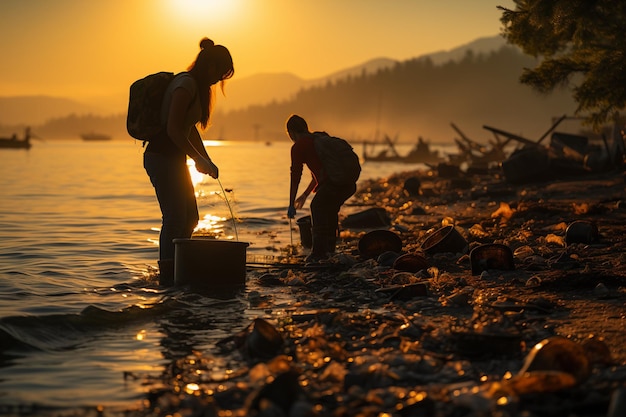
85, 49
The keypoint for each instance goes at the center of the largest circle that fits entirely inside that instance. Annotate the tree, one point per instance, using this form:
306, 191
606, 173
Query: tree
581, 45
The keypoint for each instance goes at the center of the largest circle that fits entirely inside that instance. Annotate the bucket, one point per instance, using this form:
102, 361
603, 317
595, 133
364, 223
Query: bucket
210, 263
581, 231
491, 256
446, 239
411, 262
376, 242
306, 238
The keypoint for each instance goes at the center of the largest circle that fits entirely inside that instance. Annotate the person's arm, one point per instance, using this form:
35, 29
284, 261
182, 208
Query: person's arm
196, 141
202, 166
299, 202
296, 175
188, 141
293, 190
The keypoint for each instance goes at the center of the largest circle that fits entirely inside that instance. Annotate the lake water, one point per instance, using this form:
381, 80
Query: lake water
78, 236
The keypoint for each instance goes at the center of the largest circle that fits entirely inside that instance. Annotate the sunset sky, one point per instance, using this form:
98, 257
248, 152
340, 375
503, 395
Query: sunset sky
85, 49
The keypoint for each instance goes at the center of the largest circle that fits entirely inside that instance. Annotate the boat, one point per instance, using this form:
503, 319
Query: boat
95, 136
421, 153
14, 143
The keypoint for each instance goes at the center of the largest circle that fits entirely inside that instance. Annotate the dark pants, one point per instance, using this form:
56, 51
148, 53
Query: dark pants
325, 215
174, 190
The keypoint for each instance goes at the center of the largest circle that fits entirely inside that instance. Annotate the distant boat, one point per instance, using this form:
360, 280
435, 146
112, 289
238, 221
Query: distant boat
14, 143
95, 136
421, 153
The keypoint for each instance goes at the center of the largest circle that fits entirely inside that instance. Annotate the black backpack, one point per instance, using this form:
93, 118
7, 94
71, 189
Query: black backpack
339, 161
143, 120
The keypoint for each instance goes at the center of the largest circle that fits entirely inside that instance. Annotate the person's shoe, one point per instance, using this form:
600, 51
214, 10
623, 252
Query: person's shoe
166, 272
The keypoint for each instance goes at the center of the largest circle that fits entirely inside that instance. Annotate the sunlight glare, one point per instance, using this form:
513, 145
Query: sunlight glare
210, 225
207, 142
203, 9
196, 176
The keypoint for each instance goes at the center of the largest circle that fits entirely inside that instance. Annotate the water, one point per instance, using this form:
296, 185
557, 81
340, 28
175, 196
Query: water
80, 321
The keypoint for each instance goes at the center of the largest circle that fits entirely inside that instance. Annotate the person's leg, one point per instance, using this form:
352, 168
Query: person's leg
340, 194
320, 223
325, 217
175, 194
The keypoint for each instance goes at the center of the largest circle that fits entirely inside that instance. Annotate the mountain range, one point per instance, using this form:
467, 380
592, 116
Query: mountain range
267, 88
257, 89
473, 85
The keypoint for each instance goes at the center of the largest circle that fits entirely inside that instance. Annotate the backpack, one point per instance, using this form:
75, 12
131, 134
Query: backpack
143, 120
339, 161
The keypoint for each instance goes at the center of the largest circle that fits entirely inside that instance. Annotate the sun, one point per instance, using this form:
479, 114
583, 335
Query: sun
212, 18
194, 9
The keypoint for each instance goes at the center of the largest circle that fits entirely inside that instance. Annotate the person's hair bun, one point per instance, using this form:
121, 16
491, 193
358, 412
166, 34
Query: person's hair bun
206, 43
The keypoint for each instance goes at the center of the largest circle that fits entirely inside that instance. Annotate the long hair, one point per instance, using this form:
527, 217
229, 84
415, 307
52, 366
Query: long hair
213, 64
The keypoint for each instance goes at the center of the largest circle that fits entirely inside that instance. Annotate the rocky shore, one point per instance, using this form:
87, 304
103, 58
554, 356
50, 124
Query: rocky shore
436, 335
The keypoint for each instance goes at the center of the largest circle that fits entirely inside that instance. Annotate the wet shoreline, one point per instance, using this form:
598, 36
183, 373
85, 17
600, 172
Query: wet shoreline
364, 338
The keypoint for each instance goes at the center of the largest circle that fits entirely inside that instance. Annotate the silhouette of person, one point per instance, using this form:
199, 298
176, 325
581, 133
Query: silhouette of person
187, 102
329, 196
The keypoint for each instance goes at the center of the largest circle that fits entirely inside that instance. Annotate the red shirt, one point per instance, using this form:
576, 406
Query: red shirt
303, 153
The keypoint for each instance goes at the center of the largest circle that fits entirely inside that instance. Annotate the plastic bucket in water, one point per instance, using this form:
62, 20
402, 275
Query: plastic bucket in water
491, 256
446, 239
306, 237
210, 263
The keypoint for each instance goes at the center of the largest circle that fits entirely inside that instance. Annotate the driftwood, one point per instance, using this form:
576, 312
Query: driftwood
477, 154
521, 139
567, 154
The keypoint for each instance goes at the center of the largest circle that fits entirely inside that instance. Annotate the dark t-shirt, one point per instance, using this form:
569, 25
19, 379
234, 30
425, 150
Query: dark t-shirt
303, 153
162, 143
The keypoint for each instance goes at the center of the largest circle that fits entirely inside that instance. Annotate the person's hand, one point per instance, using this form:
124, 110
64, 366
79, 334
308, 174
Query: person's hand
291, 212
299, 203
206, 166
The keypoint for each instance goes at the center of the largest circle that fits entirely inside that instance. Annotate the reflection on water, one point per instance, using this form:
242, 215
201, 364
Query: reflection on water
79, 226
211, 225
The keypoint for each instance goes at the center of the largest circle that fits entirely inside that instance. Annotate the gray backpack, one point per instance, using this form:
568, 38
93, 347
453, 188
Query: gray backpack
339, 161
143, 120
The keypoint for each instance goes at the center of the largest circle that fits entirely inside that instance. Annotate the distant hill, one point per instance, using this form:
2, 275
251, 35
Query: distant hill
479, 46
266, 88
262, 89
413, 98
38, 109
259, 89
473, 85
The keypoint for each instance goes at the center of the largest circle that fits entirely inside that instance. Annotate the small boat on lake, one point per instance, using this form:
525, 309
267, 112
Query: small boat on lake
421, 153
14, 143
95, 136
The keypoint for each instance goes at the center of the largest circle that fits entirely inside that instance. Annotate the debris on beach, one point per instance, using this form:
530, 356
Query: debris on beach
496, 299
